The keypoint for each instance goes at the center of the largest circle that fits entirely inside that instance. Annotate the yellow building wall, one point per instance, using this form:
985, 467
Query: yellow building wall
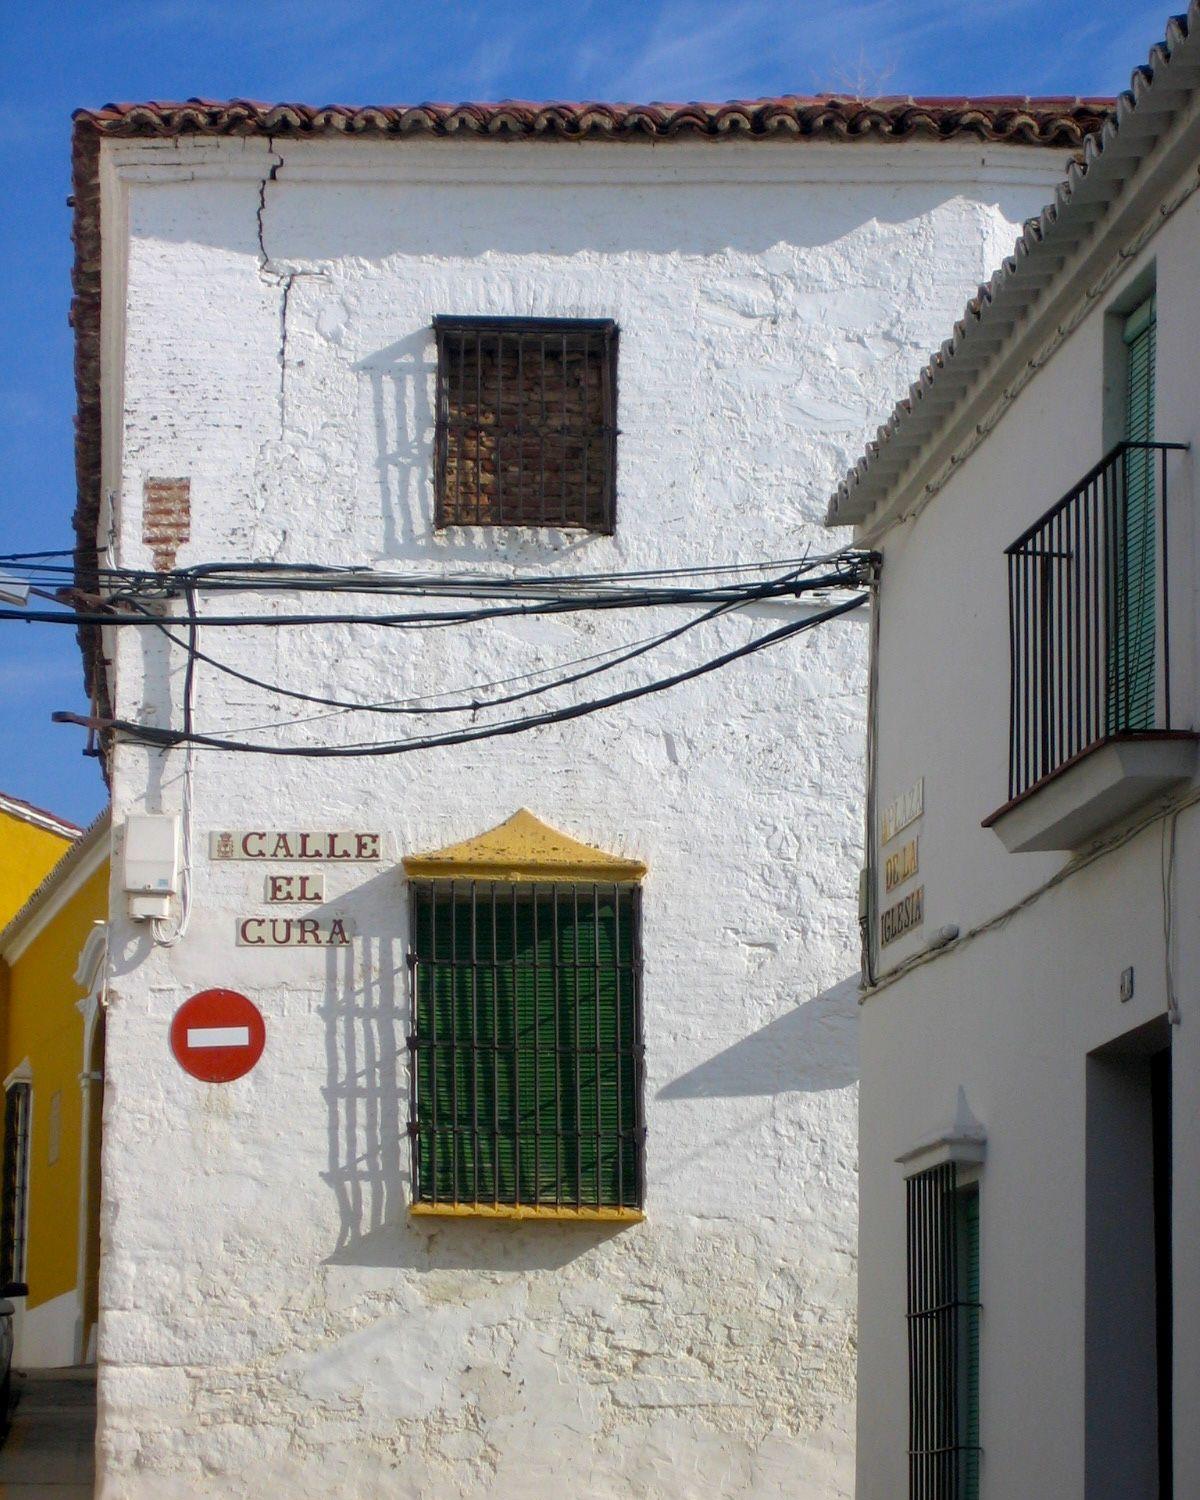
27, 855
41, 1024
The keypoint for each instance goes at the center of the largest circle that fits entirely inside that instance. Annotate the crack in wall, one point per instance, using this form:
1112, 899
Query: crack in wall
288, 282
264, 259
284, 280
272, 278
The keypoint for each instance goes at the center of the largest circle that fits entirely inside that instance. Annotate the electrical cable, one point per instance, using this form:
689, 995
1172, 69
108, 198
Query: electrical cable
166, 934
332, 578
787, 586
168, 738
868, 896
209, 572
9, 557
403, 706
1169, 808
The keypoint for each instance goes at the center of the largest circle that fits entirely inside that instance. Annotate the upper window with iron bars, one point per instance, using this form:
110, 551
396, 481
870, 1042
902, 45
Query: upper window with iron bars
526, 422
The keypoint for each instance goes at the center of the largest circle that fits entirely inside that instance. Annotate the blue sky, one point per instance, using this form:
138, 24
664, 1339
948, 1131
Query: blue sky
56, 58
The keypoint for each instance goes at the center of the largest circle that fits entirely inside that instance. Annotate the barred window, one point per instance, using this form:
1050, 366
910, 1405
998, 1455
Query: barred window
943, 1336
15, 1195
526, 422
526, 1050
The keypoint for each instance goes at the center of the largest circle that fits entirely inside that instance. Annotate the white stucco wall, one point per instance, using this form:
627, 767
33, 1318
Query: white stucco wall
46, 1337
1012, 1016
272, 1321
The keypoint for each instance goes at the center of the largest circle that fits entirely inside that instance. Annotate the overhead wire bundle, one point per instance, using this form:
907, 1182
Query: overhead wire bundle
138, 599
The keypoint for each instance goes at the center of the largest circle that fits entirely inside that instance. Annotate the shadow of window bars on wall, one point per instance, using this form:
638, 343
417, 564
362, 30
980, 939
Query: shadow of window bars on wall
1089, 622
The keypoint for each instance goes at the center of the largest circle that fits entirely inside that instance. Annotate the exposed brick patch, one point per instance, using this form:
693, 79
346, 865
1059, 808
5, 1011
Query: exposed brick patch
166, 518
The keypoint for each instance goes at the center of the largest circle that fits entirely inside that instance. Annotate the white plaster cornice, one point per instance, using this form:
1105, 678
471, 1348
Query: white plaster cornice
613, 164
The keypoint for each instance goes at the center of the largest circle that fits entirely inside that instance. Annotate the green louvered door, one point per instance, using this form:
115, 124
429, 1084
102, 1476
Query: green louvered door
527, 1043
1132, 651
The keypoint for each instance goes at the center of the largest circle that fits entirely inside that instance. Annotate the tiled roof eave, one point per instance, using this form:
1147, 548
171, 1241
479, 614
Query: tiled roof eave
1060, 122
991, 318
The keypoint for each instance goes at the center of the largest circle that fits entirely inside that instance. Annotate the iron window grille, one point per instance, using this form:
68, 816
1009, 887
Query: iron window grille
943, 1336
14, 1196
526, 1052
526, 422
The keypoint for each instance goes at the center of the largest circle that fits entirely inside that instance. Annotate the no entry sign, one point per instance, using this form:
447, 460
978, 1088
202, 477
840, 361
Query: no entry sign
218, 1035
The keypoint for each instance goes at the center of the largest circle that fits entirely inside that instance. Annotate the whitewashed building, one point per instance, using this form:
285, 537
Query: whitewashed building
361, 338
1030, 1098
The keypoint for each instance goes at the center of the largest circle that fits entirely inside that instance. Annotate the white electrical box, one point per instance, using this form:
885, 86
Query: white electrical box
151, 863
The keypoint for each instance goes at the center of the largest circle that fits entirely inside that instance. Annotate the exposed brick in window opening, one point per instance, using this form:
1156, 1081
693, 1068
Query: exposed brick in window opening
526, 422
166, 518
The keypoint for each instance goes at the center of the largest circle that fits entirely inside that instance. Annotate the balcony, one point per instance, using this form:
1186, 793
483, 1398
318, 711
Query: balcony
1091, 734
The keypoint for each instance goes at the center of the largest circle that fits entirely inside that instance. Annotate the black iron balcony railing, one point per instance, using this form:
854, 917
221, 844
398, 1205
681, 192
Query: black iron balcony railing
1088, 619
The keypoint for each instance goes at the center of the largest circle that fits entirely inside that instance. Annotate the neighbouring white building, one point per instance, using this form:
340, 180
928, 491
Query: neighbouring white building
524, 342
1030, 1097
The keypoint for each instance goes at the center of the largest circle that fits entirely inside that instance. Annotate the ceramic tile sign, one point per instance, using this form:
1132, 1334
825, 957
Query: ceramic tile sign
302, 890
902, 811
218, 1035
296, 845
294, 932
902, 917
901, 865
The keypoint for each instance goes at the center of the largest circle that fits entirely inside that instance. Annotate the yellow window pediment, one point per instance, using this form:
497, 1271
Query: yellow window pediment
523, 848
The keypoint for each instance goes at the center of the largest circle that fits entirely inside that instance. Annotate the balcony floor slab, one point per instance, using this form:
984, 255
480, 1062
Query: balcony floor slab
1097, 789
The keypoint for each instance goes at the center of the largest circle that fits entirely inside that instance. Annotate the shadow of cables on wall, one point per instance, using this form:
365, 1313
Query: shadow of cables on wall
810, 1049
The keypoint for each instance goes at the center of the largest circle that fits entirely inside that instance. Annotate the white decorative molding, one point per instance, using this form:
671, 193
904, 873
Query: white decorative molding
962, 1140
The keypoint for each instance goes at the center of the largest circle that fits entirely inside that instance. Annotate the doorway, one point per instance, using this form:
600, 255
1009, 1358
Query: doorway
1127, 1272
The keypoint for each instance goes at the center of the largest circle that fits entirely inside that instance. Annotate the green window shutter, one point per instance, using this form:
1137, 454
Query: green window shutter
968, 1295
526, 1035
1132, 648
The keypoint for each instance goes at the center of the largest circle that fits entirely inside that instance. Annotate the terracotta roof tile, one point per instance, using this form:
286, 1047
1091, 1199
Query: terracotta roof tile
1058, 121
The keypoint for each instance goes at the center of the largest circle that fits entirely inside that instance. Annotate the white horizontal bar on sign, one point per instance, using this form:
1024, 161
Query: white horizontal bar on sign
218, 1036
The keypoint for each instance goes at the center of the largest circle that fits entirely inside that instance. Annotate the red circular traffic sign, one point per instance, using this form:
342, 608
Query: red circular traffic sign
218, 1035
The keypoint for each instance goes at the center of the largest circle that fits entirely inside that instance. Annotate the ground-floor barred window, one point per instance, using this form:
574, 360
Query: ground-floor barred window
526, 1046
14, 1197
943, 1336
